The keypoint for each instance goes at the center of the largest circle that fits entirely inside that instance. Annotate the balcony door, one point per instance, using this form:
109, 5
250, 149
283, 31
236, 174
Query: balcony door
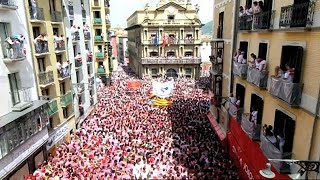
292, 56
257, 105
240, 94
244, 47
263, 49
4, 34
300, 12
220, 25
284, 127
14, 88
52, 4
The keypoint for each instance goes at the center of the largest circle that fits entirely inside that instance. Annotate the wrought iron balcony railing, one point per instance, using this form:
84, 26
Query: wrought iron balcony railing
41, 47
173, 60
259, 78
36, 13
245, 22
56, 16
252, 129
262, 20
21, 99
87, 35
46, 78
60, 45
53, 107
66, 99
64, 72
99, 55
286, 90
97, 21
78, 64
240, 69
297, 15
14, 51
98, 38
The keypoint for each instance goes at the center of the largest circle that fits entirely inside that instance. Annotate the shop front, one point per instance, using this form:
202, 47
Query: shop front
246, 153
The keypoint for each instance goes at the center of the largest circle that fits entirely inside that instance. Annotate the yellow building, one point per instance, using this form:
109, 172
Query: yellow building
286, 97
47, 32
99, 12
165, 40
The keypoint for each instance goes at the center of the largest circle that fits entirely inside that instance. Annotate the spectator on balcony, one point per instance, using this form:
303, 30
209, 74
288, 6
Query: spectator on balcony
232, 99
41, 43
75, 32
56, 40
238, 102
59, 67
14, 46
236, 55
254, 115
78, 57
253, 63
241, 12
261, 64
239, 57
289, 74
270, 135
277, 72
281, 141
89, 55
256, 8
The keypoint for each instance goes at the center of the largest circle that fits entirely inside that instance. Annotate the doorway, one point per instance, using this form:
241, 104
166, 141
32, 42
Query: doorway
240, 94
263, 50
257, 105
172, 73
244, 47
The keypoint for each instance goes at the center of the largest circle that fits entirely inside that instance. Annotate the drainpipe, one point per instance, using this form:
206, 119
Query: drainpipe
314, 123
234, 40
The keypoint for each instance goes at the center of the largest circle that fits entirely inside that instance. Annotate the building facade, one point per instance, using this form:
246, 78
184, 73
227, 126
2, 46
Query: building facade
99, 12
205, 52
282, 94
80, 42
23, 116
165, 40
123, 49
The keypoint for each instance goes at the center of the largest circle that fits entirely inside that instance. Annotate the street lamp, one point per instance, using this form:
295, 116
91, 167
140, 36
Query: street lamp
304, 166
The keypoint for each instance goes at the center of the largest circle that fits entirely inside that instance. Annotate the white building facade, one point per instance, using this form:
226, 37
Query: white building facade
23, 117
205, 51
77, 22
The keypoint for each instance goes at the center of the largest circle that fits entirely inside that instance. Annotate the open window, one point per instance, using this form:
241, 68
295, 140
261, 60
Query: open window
217, 56
240, 94
220, 26
154, 54
263, 50
243, 46
171, 54
293, 57
257, 105
188, 53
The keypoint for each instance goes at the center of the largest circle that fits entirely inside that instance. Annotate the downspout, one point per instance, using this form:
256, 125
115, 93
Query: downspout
234, 40
314, 126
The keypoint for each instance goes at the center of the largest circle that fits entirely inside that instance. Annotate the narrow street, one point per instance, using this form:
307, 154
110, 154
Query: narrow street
125, 138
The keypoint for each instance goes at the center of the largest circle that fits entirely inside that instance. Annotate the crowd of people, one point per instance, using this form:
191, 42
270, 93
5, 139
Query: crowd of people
125, 138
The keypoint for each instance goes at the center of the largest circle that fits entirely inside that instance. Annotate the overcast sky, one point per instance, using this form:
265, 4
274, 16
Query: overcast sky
120, 10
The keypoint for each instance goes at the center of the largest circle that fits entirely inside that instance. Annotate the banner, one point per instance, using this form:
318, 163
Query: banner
134, 84
162, 90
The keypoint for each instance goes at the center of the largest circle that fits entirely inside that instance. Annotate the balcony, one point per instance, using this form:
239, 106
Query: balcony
80, 88
84, 14
21, 99
56, 16
66, 99
53, 107
173, 40
71, 11
101, 70
59, 46
78, 64
97, 21
107, 6
36, 14
99, 55
272, 152
41, 48
75, 36
46, 79
262, 20
64, 73
245, 23
297, 15
174, 60
240, 69
286, 90
250, 128
14, 51
98, 38
256, 77
235, 111
87, 35
108, 23
8, 4
217, 67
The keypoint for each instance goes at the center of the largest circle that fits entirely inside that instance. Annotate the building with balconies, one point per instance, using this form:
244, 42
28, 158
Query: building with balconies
79, 27
23, 116
165, 40
99, 13
52, 65
274, 82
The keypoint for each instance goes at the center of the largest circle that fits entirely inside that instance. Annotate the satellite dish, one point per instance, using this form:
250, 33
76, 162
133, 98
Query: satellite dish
267, 173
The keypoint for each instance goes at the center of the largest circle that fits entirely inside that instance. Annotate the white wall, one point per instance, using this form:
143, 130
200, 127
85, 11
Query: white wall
205, 51
18, 25
78, 21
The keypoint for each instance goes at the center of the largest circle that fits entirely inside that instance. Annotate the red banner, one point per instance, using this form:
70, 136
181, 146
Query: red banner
247, 153
134, 85
217, 129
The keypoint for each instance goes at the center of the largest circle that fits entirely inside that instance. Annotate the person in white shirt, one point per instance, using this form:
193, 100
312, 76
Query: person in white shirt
237, 54
232, 99
241, 58
261, 64
254, 116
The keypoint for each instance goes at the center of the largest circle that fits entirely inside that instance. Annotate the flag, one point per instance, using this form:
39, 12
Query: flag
156, 40
162, 90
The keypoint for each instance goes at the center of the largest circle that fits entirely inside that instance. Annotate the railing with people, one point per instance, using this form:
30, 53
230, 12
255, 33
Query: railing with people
36, 13
262, 20
60, 45
46, 78
235, 111
257, 77
170, 60
14, 48
240, 69
41, 46
252, 129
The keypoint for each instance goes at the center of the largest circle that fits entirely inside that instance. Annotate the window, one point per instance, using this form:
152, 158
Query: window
248, 3
292, 56
188, 71
244, 47
78, 76
188, 53
71, 22
170, 17
55, 30
97, 14
220, 25
4, 34
59, 58
65, 112
36, 31
240, 94
3, 143
41, 65
62, 88
14, 87
154, 71
263, 49
257, 105
154, 54
170, 54
284, 127
75, 52
52, 4
45, 92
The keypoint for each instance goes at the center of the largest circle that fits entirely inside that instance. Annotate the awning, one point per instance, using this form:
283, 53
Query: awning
217, 128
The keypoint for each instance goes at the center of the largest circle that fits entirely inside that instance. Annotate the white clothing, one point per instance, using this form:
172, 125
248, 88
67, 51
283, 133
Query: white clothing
254, 116
238, 103
240, 58
233, 100
261, 65
219, 60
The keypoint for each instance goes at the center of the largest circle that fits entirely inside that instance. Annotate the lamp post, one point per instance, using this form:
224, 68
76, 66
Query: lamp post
304, 167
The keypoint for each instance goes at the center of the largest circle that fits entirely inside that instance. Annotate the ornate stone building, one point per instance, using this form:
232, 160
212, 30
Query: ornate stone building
165, 40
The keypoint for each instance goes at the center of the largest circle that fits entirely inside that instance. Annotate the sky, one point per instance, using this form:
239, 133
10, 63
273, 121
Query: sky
120, 10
